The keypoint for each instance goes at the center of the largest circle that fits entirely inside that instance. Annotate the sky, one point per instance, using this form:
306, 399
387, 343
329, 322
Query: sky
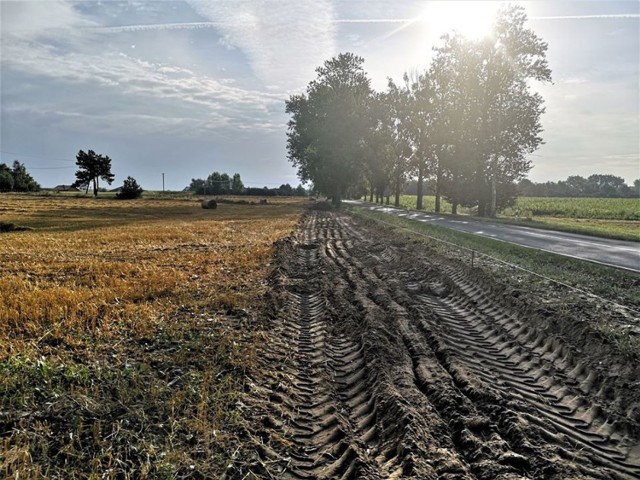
189, 87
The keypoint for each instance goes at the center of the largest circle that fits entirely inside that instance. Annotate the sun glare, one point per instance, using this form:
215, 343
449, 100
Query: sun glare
471, 19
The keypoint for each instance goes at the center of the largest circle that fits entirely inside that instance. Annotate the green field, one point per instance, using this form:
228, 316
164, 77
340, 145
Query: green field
595, 208
605, 217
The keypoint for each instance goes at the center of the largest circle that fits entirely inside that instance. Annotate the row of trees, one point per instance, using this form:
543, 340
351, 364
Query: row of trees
607, 186
16, 178
222, 184
217, 184
467, 122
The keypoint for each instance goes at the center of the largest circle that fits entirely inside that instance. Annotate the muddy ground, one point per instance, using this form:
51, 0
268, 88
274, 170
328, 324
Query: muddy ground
384, 360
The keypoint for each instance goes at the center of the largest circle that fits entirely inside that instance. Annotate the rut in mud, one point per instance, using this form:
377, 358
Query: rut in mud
385, 362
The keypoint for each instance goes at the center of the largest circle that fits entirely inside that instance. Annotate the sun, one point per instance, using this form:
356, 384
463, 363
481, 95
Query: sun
471, 19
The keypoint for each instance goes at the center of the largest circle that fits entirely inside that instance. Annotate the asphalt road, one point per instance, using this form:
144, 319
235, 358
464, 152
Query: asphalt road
614, 253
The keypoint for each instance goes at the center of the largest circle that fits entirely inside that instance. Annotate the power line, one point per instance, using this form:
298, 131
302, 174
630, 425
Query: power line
49, 168
65, 159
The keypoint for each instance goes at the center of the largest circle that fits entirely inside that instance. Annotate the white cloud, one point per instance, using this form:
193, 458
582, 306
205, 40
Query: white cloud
142, 84
37, 18
283, 41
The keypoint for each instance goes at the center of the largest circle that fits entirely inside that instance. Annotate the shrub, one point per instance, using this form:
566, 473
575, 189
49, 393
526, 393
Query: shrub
130, 189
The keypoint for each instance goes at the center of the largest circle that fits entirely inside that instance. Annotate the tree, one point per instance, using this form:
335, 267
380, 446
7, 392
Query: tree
6, 178
416, 121
91, 168
576, 186
606, 186
22, 180
328, 126
400, 141
492, 97
510, 112
237, 187
130, 189
378, 146
197, 186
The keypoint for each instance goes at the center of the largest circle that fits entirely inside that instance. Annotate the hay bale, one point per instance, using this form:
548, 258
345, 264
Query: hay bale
263, 201
209, 204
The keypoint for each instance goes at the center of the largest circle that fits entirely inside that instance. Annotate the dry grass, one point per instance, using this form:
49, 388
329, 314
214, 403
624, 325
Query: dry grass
126, 330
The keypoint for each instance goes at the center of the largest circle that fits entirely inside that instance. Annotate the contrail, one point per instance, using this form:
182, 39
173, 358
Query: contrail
155, 26
589, 17
405, 21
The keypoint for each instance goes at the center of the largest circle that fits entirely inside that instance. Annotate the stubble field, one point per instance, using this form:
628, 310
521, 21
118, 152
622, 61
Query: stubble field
125, 332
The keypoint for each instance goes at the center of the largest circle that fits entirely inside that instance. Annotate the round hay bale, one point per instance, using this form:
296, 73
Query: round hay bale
263, 201
209, 204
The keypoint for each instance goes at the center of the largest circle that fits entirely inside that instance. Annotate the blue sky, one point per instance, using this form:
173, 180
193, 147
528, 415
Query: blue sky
188, 87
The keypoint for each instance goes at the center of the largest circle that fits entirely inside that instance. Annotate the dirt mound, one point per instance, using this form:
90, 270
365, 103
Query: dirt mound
384, 361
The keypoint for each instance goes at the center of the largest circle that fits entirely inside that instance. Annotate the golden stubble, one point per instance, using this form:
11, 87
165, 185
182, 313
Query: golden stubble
104, 267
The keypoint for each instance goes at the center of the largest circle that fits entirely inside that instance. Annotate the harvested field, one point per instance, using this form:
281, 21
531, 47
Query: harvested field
385, 360
126, 330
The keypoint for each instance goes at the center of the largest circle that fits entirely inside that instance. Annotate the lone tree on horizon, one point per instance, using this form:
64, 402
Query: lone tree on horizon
91, 168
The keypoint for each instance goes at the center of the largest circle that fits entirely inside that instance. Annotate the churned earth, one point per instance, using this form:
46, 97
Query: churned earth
382, 359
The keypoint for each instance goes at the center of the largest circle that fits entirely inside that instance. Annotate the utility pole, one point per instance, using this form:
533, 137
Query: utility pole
163, 182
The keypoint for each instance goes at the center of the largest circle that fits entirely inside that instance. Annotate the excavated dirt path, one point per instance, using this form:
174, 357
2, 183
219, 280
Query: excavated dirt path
386, 362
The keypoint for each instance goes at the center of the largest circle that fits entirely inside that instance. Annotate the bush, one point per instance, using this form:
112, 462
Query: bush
130, 189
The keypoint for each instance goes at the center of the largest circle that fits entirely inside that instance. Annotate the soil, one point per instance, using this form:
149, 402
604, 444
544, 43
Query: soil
383, 360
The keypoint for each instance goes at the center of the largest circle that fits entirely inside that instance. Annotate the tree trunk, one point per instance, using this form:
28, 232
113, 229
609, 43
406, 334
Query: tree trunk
371, 195
494, 200
481, 195
454, 208
95, 187
397, 200
419, 192
438, 180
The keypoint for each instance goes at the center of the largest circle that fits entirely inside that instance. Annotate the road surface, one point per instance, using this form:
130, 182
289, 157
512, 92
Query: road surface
614, 253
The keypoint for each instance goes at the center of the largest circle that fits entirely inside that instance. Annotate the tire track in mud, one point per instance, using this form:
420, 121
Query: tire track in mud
471, 440
523, 364
528, 368
394, 365
325, 410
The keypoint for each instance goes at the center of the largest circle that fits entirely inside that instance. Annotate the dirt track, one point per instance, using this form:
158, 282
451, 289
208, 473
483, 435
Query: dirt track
384, 361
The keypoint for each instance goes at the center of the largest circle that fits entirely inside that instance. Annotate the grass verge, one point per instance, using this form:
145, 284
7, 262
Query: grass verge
621, 287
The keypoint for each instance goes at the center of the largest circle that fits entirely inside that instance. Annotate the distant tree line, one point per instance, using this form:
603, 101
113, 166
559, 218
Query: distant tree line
601, 186
223, 184
467, 123
597, 186
16, 178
